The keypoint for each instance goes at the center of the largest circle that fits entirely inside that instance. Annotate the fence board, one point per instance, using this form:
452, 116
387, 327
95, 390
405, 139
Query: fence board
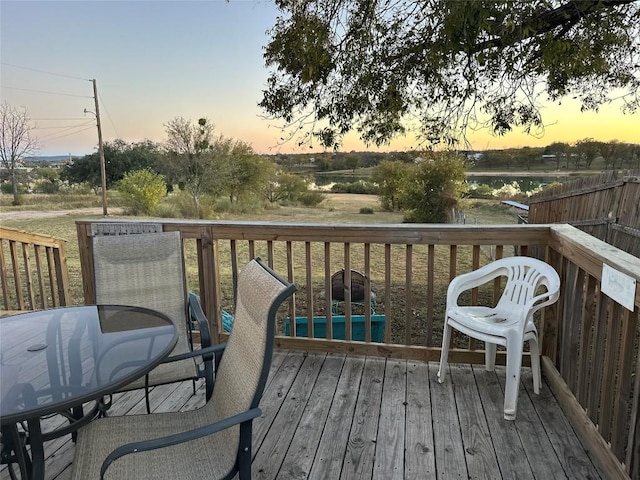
34, 272
624, 392
605, 206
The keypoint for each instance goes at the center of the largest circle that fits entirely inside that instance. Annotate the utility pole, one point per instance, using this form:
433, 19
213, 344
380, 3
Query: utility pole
103, 171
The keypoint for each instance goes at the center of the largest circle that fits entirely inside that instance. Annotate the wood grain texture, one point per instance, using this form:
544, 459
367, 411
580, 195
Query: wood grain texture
420, 459
449, 448
360, 454
334, 443
478, 448
331, 417
389, 455
301, 453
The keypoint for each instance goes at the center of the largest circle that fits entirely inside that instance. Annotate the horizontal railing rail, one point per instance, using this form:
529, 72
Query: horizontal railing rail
588, 341
33, 269
399, 263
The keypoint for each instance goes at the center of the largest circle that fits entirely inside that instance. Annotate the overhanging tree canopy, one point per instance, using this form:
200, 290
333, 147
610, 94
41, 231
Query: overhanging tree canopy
379, 67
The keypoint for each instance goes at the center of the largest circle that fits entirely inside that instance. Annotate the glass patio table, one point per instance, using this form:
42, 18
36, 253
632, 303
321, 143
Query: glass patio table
56, 360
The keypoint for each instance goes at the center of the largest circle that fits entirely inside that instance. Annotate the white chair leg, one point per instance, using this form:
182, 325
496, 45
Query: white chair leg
534, 349
444, 352
490, 356
512, 382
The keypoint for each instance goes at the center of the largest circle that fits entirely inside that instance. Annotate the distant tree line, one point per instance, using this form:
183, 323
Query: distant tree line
201, 165
338, 161
583, 154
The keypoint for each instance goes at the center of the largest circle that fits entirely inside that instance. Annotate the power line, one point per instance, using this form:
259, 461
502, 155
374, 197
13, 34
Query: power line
44, 91
74, 127
68, 134
109, 115
64, 126
44, 71
52, 119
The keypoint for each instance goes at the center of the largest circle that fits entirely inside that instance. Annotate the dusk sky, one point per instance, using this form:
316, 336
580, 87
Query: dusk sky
156, 60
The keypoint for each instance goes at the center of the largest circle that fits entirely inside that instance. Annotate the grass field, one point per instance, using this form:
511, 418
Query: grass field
336, 208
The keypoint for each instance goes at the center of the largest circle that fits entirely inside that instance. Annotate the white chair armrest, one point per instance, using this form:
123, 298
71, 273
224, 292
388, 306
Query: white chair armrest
467, 281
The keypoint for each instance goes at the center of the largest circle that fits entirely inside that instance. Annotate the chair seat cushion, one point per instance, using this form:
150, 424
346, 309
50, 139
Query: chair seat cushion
489, 320
205, 458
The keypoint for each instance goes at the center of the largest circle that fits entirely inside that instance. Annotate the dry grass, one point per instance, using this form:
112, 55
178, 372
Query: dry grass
337, 208
57, 201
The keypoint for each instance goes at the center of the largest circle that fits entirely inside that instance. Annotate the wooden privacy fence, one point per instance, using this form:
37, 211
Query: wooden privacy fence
589, 343
34, 271
606, 206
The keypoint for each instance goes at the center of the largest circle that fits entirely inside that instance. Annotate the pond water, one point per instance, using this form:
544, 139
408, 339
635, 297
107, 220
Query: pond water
525, 183
328, 179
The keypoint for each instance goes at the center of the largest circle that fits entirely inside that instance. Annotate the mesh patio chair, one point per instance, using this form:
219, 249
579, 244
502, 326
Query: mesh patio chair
147, 270
210, 442
531, 285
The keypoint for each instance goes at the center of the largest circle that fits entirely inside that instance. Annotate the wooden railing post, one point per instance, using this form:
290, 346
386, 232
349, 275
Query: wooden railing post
209, 283
86, 262
550, 323
62, 276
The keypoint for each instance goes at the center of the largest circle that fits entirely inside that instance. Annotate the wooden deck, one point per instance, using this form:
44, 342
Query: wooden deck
327, 416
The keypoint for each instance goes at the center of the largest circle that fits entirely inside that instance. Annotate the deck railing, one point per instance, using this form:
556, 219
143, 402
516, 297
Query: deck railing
588, 341
33, 271
590, 348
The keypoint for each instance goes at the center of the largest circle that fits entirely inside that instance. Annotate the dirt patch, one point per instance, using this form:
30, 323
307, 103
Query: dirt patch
24, 214
351, 201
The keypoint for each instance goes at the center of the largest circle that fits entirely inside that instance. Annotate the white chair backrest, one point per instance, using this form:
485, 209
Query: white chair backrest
144, 270
525, 276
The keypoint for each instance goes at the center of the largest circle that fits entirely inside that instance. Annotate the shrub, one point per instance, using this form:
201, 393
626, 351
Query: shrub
167, 210
431, 192
366, 210
8, 188
481, 191
287, 188
142, 190
508, 190
45, 186
390, 178
77, 189
311, 199
186, 209
355, 187
244, 205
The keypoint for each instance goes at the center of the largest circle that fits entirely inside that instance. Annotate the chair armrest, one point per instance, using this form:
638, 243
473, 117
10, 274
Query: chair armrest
211, 355
208, 353
178, 438
540, 301
196, 313
467, 281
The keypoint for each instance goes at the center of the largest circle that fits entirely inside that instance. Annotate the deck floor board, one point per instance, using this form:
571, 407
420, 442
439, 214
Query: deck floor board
336, 416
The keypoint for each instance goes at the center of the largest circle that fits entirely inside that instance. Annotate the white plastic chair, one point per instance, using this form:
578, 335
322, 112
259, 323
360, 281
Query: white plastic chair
509, 324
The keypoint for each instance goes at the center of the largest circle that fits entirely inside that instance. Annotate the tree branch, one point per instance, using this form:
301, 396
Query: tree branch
565, 15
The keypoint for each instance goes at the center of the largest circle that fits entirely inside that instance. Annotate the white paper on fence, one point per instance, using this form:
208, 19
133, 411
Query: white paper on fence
618, 286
